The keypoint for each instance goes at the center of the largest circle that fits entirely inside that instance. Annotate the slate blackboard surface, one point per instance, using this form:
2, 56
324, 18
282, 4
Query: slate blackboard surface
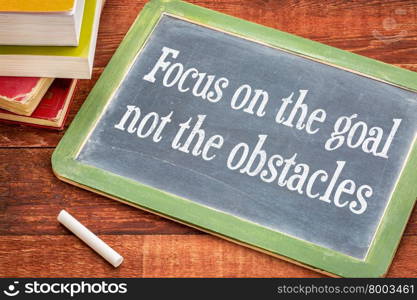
211, 183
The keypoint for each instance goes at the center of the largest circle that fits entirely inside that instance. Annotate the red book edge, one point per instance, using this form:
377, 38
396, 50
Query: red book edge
61, 124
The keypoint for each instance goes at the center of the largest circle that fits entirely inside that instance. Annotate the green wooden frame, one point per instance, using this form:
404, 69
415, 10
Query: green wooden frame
67, 168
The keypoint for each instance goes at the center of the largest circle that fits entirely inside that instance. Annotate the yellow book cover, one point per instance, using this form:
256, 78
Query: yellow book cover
36, 6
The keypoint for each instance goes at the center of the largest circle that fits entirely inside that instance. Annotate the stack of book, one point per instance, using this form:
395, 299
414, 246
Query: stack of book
45, 46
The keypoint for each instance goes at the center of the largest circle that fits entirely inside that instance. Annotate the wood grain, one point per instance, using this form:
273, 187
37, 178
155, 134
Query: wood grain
33, 244
159, 256
31, 198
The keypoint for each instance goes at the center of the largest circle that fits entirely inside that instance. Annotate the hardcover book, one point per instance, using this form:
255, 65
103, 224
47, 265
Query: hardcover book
22, 95
51, 111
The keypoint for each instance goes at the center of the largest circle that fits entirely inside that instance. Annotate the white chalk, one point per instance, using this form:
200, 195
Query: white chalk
90, 238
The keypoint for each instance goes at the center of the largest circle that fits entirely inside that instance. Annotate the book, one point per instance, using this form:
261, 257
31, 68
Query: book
36, 5
51, 111
22, 95
41, 22
252, 134
54, 61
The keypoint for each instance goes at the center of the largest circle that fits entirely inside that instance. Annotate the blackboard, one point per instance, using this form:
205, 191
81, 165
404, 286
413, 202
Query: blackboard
301, 147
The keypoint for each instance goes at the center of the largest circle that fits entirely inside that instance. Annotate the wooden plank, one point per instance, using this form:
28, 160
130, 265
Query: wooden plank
145, 256
159, 256
31, 198
352, 26
349, 26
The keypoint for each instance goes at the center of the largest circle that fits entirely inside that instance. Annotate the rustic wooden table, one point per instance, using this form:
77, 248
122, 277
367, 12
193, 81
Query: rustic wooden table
33, 244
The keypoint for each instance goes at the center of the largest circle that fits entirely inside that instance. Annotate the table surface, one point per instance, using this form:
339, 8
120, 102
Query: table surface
33, 244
